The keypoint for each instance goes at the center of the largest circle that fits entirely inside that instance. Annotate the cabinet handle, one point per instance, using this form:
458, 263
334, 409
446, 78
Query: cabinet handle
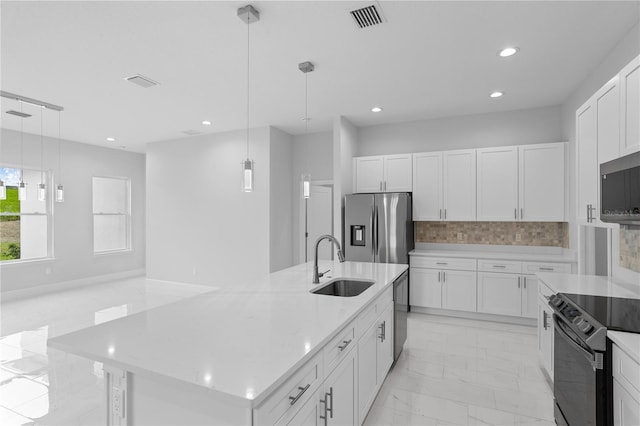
499, 266
546, 269
589, 217
381, 336
385, 185
439, 275
380, 185
524, 282
518, 282
345, 344
444, 276
521, 213
329, 397
445, 214
515, 213
544, 320
442, 263
294, 399
326, 409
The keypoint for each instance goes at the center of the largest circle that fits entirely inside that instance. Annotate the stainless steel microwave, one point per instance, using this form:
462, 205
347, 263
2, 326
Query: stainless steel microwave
620, 190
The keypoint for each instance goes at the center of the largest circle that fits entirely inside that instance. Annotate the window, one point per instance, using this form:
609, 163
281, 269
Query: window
111, 214
24, 225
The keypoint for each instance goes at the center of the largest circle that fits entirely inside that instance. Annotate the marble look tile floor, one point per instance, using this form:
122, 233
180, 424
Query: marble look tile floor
42, 386
456, 371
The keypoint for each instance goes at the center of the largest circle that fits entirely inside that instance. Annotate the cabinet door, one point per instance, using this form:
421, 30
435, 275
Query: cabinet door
308, 415
498, 184
626, 410
368, 174
587, 153
340, 392
459, 177
459, 290
385, 343
425, 290
545, 336
427, 186
499, 294
607, 103
630, 107
398, 174
541, 195
367, 381
529, 296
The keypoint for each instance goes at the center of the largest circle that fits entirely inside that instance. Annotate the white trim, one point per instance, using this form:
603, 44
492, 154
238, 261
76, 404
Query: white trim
39, 290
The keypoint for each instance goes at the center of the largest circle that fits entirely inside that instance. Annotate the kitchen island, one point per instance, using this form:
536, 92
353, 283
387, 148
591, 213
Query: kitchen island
248, 354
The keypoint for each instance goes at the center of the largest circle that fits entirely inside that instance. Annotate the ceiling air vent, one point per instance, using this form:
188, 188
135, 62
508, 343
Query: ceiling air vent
18, 113
141, 80
366, 16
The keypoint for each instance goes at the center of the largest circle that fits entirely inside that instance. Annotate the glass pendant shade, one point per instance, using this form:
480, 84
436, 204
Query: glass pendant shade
59, 193
22, 191
247, 175
3, 191
306, 186
42, 192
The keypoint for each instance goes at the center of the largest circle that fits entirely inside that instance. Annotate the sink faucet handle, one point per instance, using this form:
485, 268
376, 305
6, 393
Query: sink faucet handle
321, 274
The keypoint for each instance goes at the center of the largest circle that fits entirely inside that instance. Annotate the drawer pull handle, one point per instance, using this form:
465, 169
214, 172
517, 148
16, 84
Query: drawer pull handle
294, 399
499, 266
346, 343
546, 269
441, 263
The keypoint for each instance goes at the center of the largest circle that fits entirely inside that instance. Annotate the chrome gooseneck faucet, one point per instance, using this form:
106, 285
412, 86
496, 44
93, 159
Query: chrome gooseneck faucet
316, 274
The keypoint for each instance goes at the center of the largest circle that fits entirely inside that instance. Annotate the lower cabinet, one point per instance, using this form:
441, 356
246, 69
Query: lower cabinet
626, 409
446, 289
545, 336
626, 388
507, 294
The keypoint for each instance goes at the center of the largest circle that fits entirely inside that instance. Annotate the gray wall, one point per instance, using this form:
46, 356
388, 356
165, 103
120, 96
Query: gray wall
73, 219
280, 203
345, 140
518, 127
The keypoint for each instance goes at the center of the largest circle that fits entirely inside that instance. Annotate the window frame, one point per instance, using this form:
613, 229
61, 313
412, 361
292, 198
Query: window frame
49, 214
127, 216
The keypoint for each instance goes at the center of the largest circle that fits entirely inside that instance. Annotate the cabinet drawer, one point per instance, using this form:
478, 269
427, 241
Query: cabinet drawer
533, 267
292, 395
444, 263
500, 266
371, 312
626, 371
338, 347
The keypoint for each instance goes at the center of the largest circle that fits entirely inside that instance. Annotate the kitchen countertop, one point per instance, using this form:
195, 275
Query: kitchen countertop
514, 254
599, 286
238, 343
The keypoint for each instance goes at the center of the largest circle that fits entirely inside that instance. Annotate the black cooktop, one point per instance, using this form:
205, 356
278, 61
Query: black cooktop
615, 313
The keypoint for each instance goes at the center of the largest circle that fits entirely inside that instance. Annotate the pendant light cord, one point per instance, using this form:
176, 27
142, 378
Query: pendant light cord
41, 146
21, 146
59, 152
306, 101
248, 68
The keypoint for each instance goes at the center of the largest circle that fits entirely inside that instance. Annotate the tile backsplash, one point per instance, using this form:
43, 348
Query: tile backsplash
550, 234
630, 249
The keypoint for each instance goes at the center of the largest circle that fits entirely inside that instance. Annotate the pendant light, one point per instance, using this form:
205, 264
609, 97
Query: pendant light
42, 188
248, 14
59, 187
22, 188
306, 68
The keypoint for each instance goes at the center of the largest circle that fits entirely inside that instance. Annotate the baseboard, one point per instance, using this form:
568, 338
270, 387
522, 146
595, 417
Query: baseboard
476, 315
40, 290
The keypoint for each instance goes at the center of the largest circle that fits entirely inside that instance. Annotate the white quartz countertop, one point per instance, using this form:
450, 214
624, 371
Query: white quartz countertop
497, 255
238, 343
628, 342
589, 284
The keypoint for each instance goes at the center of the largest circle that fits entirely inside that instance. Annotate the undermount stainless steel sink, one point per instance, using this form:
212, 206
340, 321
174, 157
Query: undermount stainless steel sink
343, 287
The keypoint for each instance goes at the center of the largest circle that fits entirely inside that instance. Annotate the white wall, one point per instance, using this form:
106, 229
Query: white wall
345, 140
280, 204
201, 228
312, 153
627, 49
538, 125
73, 220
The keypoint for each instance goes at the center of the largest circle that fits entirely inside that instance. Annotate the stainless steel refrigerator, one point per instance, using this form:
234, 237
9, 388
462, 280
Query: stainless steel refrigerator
378, 227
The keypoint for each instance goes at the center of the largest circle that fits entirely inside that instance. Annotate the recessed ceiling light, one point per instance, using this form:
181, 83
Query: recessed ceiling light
509, 51
376, 109
206, 122
111, 139
496, 94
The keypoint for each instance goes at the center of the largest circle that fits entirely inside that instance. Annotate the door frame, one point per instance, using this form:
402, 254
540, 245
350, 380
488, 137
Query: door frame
302, 216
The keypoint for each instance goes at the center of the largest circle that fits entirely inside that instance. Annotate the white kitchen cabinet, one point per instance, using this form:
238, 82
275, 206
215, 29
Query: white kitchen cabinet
444, 185
385, 343
499, 294
626, 409
626, 388
427, 186
541, 171
426, 290
545, 336
459, 290
529, 296
521, 183
630, 107
587, 167
308, 415
383, 173
340, 392
607, 104
497, 184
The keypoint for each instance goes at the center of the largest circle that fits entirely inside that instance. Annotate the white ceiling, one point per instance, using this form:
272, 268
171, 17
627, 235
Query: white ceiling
430, 59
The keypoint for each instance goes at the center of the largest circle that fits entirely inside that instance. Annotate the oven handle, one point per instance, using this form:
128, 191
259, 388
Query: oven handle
588, 355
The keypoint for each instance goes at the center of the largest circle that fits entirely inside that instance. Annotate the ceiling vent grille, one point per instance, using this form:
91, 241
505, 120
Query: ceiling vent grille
366, 16
18, 113
141, 81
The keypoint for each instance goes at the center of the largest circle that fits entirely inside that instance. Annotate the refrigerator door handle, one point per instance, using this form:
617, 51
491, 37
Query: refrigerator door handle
373, 241
375, 230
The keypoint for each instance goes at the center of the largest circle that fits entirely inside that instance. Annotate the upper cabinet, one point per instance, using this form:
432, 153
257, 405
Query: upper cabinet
522, 183
630, 107
444, 186
382, 173
607, 111
587, 165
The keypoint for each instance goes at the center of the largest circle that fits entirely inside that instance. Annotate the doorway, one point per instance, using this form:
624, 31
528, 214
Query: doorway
316, 219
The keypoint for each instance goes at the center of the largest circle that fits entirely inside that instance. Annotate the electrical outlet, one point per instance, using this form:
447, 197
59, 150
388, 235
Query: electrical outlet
459, 236
518, 237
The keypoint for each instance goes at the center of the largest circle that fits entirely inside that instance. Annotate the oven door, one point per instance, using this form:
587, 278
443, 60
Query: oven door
578, 385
